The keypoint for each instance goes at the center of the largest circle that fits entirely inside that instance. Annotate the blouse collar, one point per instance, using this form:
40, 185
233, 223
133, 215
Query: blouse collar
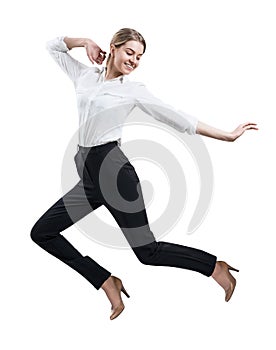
122, 78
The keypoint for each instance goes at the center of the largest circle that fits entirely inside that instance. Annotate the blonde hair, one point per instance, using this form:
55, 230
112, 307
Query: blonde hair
122, 36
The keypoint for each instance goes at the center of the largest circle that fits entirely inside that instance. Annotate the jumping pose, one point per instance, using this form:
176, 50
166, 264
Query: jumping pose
105, 97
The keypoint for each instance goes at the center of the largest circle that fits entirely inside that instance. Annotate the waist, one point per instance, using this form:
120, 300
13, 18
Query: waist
98, 147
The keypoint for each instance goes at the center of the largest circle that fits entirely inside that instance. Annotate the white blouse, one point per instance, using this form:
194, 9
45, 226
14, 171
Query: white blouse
103, 105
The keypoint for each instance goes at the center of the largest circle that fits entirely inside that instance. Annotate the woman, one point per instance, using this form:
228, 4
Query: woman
99, 93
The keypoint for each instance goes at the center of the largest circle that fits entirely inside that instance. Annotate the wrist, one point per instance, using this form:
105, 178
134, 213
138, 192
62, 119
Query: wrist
229, 137
86, 42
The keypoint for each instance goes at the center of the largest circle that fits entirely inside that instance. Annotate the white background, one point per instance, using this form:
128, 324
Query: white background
213, 59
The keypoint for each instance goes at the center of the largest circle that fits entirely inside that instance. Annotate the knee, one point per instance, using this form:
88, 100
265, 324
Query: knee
34, 234
37, 233
144, 259
146, 253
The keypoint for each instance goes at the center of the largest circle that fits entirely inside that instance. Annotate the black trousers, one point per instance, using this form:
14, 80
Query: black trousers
108, 178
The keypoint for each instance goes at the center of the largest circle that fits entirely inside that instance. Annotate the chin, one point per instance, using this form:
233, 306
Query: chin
125, 71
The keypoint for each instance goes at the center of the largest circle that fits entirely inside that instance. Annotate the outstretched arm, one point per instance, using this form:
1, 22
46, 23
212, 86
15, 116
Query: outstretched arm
207, 130
181, 121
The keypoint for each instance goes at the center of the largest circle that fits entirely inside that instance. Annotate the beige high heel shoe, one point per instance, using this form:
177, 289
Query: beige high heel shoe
118, 309
111, 286
224, 278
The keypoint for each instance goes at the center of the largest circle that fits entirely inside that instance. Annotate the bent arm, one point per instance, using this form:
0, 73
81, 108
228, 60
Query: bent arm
58, 49
94, 52
76, 42
209, 131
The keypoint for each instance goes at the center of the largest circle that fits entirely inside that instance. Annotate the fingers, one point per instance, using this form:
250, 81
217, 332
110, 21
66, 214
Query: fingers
95, 57
90, 57
248, 126
95, 54
101, 57
252, 127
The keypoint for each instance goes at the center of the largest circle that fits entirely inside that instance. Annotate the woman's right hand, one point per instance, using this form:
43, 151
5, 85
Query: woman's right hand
94, 52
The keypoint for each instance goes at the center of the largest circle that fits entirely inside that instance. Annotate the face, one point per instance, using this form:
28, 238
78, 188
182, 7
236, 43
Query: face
127, 57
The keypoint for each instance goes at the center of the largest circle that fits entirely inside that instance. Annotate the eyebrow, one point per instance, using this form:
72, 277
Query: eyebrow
140, 54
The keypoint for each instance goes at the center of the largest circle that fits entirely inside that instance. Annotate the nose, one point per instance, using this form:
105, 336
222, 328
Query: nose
133, 60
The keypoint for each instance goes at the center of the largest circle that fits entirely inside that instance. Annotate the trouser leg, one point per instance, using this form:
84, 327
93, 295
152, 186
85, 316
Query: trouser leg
46, 232
136, 229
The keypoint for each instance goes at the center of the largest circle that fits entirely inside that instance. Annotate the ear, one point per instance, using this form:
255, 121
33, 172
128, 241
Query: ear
112, 49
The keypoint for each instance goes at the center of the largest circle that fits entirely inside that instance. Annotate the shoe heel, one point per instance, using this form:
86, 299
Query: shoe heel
124, 291
232, 268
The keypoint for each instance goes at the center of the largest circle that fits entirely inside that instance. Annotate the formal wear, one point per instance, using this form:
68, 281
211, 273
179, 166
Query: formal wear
103, 105
99, 160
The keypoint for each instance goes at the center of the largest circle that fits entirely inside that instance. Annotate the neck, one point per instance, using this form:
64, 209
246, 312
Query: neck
111, 73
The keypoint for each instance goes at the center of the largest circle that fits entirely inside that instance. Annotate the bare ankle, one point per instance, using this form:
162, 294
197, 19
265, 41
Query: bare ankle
217, 270
107, 283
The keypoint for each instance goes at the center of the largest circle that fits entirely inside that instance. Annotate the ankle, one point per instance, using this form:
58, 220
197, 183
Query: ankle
217, 270
107, 283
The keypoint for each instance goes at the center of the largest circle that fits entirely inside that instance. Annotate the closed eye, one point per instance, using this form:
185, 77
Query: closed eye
131, 53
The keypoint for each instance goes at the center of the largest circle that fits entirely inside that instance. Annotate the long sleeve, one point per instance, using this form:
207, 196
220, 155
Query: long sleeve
162, 112
59, 51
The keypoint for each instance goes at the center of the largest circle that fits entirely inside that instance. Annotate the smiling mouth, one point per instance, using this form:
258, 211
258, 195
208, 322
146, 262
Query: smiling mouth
129, 66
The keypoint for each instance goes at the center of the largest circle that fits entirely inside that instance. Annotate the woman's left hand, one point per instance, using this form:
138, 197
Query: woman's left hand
241, 129
210, 131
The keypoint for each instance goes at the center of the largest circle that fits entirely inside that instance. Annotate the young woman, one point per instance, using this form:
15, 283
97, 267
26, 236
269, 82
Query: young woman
99, 92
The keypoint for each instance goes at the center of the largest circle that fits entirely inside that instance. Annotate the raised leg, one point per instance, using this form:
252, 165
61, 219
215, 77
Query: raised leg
46, 232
